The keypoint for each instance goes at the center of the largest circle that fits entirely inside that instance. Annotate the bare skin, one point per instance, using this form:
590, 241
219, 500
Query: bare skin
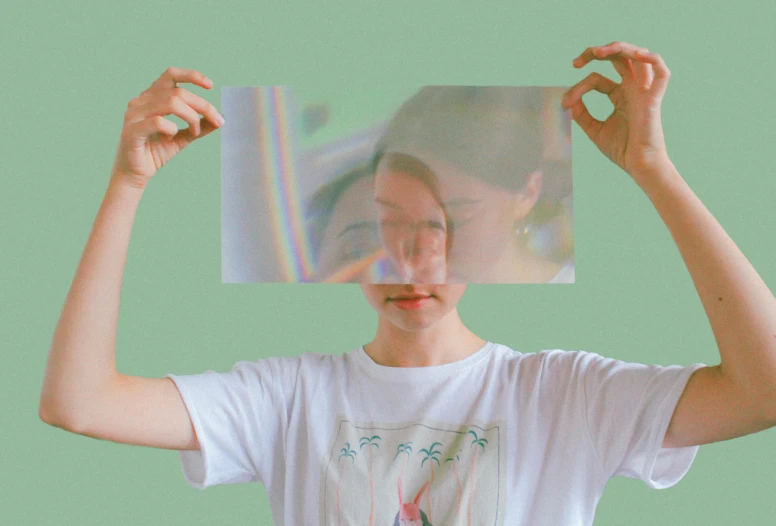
420, 334
82, 390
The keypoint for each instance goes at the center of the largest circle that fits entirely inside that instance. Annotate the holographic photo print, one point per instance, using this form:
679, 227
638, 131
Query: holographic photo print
436, 184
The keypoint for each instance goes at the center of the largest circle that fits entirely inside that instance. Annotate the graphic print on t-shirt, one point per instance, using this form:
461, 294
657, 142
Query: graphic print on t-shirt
416, 474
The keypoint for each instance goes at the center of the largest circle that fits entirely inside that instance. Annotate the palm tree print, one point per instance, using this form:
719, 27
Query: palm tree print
345, 453
476, 442
431, 455
407, 450
369, 442
454, 461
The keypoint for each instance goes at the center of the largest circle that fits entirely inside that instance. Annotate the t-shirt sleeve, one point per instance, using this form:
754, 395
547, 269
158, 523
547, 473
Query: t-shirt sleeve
236, 416
628, 407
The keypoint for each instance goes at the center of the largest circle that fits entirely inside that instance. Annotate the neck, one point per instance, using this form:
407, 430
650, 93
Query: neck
446, 341
520, 265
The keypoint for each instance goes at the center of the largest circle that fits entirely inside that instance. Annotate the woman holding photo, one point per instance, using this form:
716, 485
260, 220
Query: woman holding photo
428, 423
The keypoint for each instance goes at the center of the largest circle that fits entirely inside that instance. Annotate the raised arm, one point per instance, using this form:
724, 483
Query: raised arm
82, 390
738, 396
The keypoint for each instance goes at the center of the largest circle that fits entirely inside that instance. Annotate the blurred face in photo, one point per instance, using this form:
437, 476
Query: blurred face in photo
482, 217
350, 234
412, 222
479, 217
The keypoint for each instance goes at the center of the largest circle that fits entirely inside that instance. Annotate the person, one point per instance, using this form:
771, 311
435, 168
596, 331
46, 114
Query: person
413, 222
342, 226
354, 217
466, 125
468, 430
487, 146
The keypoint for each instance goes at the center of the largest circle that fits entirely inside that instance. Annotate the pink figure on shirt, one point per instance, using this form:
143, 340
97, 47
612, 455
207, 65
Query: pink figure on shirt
410, 513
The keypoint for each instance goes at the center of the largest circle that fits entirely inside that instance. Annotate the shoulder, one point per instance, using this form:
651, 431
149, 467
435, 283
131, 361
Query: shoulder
564, 370
546, 365
283, 376
284, 368
548, 360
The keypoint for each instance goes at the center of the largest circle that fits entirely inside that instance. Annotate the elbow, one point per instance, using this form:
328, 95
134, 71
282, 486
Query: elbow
74, 409
46, 411
764, 402
756, 396
50, 404
44, 414
49, 415
57, 417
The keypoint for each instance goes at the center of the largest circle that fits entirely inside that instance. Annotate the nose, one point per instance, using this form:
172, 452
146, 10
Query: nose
424, 256
423, 241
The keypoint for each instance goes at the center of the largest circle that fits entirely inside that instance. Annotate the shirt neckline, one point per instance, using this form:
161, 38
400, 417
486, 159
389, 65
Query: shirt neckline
411, 374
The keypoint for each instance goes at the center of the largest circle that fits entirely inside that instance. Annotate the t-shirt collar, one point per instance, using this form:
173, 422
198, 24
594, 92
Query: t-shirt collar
410, 374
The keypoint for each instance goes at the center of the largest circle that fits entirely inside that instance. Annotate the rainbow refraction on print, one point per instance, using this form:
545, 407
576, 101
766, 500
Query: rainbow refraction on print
277, 151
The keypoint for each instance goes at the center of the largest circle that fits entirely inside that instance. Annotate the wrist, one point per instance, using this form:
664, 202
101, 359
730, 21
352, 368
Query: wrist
656, 175
126, 183
124, 187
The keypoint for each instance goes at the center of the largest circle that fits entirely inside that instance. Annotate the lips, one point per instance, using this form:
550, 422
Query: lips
410, 302
414, 297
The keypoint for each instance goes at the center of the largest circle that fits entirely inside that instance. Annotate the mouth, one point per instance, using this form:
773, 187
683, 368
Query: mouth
411, 301
410, 297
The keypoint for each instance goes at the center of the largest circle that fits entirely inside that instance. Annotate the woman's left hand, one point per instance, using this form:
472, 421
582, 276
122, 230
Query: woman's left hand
632, 136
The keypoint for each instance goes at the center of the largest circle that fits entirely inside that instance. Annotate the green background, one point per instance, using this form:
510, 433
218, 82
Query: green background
68, 72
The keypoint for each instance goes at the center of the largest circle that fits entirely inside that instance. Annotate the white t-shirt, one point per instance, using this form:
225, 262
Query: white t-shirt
502, 437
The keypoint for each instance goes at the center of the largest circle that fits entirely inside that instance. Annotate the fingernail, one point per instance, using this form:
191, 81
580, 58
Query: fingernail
220, 120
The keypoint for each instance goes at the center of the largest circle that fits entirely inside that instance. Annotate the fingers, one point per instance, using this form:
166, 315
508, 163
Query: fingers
145, 128
148, 127
201, 106
608, 52
594, 81
168, 106
626, 58
173, 101
660, 70
600, 53
173, 76
642, 71
185, 136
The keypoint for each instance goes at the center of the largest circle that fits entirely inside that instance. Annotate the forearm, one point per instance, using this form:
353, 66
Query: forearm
82, 357
740, 307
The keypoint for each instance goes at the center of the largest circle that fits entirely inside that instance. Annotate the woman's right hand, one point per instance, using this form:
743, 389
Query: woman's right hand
148, 140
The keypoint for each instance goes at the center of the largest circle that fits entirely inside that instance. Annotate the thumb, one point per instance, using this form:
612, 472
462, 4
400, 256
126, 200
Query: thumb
185, 137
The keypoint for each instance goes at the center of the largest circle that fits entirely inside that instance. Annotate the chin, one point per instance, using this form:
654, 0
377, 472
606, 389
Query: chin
415, 323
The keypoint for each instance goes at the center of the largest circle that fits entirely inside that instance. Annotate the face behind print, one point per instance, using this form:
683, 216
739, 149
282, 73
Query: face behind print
443, 184
412, 221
